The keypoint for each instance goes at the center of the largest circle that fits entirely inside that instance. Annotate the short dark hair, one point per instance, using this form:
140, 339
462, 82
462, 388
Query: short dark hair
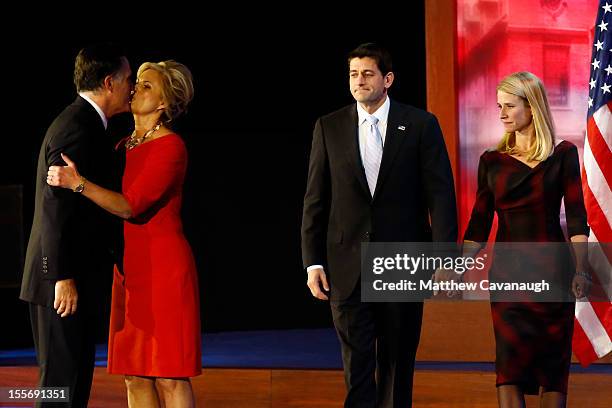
377, 53
96, 62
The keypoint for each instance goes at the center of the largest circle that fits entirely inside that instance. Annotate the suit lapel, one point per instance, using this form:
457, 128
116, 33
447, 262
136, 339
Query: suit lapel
353, 151
397, 130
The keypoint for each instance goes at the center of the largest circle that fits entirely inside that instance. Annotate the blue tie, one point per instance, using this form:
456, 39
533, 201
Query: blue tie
373, 153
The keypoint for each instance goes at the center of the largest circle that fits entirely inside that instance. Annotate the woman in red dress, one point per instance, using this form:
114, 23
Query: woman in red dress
523, 180
155, 324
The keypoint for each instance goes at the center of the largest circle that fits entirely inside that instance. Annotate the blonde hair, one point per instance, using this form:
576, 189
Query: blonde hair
529, 88
177, 87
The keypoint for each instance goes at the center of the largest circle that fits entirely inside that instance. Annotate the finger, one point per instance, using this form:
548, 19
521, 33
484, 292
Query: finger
577, 290
574, 287
56, 303
313, 287
316, 290
74, 307
67, 309
62, 307
69, 162
324, 281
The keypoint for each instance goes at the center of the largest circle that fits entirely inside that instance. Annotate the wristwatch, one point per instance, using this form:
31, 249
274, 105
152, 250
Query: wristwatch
81, 186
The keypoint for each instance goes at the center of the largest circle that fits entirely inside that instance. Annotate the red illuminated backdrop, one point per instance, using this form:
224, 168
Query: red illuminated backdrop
471, 45
551, 38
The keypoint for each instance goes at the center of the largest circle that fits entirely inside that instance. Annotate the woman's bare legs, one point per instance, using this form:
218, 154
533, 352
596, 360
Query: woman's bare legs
141, 392
175, 392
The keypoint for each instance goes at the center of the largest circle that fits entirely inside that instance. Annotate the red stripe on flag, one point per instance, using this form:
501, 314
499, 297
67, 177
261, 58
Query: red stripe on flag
581, 346
600, 150
603, 311
596, 217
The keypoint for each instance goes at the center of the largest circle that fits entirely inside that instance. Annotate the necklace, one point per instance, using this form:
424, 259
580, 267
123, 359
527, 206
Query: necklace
134, 141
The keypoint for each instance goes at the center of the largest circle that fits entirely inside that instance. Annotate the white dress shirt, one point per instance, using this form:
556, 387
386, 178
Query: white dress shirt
97, 108
382, 114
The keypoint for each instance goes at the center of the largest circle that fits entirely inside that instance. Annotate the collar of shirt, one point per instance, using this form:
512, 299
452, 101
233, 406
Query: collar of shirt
97, 108
381, 114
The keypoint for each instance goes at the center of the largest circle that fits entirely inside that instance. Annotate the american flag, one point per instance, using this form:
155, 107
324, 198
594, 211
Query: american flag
593, 328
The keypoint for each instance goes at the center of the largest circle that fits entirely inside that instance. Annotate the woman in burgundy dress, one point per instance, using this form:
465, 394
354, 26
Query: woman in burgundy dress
155, 324
523, 180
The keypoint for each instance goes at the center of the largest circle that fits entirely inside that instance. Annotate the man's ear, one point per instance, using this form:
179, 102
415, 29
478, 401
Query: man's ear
108, 83
389, 79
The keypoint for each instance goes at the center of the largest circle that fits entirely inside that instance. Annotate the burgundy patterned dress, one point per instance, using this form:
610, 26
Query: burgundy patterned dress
533, 340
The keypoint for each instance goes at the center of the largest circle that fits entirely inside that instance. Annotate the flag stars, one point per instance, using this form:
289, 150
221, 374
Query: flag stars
605, 88
592, 83
608, 70
590, 102
599, 45
603, 26
607, 8
595, 64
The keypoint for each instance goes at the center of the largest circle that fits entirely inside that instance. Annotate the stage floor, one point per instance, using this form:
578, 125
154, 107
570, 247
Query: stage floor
301, 368
276, 388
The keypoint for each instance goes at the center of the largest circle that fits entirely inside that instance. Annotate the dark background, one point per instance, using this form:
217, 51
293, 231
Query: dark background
261, 82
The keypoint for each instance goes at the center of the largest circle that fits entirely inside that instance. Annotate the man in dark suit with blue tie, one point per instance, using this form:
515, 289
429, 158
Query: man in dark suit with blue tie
379, 171
71, 242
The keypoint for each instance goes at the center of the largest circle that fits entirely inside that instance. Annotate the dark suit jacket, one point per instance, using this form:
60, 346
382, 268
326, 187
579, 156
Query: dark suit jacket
71, 237
415, 183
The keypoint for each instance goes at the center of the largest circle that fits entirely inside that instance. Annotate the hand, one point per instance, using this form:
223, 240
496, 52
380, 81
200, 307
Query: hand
64, 176
316, 278
581, 286
447, 275
65, 297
